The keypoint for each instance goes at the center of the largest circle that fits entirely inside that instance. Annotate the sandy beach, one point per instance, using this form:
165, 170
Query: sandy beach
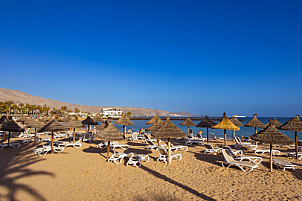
84, 174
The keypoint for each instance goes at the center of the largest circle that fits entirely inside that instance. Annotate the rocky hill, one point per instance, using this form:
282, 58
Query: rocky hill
19, 96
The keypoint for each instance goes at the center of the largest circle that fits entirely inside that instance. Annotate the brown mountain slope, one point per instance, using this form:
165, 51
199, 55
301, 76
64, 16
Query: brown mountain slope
19, 96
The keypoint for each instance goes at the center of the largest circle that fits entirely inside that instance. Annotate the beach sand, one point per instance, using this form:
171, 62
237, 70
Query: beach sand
84, 174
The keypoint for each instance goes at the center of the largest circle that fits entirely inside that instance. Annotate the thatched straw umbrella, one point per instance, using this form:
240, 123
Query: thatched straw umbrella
110, 133
98, 119
156, 125
9, 125
74, 124
153, 120
275, 122
255, 123
235, 121
33, 123
294, 124
272, 136
188, 122
103, 125
89, 121
206, 123
43, 119
125, 121
225, 124
52, 126
168, 130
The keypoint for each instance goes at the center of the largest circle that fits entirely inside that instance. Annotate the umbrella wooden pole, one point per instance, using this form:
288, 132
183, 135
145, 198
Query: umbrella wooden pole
188, 130
35, 140
169, 151
88, 127
73, 135
8, 140
158, 142
255, 130
296, 144
108, 147
234, 135
271, 157
207, 134
51, 143
124, 131
225, 142
3, 136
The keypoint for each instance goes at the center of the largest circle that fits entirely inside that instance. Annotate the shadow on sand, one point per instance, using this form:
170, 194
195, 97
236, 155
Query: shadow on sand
187, 188
14, 166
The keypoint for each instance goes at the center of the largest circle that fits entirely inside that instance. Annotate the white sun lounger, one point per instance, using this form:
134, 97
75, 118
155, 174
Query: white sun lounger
137, 159
239, 144
210, 149
263, 151
163, 155
229, 161
280, 163
177, 147
194, 141
293, 154
76, 144
117, 156
213, 136
253, 159
151, 145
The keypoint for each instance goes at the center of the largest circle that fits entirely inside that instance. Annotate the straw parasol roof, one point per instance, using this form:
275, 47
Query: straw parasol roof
272, 135
206, 123
97, 119
124, 120
188, 122
235, 121
74, 124
275, 122
52, 126
11, 126
89, 121
33, 123
22, 119
103, 125
153, 120
225, 123
254, 122
168, 129
110, 133
155, 126
43, 119
294, 124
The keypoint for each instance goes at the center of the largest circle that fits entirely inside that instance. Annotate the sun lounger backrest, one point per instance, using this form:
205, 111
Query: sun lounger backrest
208, 146
162, 151
227, 157
198, 135
213, 136
237, 139
150, 142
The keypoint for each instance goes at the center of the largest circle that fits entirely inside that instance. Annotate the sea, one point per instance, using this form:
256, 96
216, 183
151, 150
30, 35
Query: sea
244, 131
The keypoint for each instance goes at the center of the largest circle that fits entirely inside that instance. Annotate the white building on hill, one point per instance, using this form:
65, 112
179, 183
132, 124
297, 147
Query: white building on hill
112, 112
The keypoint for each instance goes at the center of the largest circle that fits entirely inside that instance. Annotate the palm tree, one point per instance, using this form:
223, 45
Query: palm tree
21, 105
27, 106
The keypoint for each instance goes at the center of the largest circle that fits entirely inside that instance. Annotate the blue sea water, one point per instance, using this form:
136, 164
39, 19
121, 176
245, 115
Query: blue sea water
244, 131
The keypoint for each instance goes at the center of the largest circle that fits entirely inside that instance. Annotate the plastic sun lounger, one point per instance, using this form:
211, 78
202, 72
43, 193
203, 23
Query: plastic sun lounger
283, 164
216, 138
117, 156
195, 141
151, 146
137, 159
263, 151
293, 154
13, 145
210, 149
253, 159
177, 147
239, 144
240, 164
77, 144
163, 155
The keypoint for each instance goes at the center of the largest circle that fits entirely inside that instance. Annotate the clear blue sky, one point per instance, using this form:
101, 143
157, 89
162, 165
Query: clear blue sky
205, 57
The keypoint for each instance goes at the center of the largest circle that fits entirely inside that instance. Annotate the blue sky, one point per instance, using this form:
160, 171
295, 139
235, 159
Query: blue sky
204, 57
